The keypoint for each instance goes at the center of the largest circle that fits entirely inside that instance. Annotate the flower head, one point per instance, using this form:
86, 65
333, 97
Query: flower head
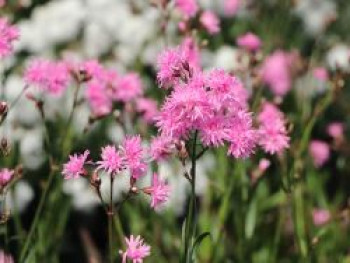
276, 72
232, 7
5, 177
132, 152
147, 108
8, 34
249, 41
5, 258
112, 162
98, 99
51, 77
128, 87
336, 130
161, 147
210, 22
75, 166
136, 250
319, 152
159, 191
273, 137
320, 216
170, 65
188, 8
320, 74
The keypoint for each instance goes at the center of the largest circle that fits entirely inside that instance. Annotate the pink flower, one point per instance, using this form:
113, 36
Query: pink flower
137, 250
111, 161
232, 7
2, 4
98, 99
190, 52
183, 110
128, 88
188, 8
320, 216
5, 258
249, 41
242, 136
51, 77
319, 152
159, 191
336, 130
214, 132
320, 74
75, 166
161, 147
273, 137
170, 65
275, 72
5, 177
8, 34
132, 152
210, 22
264, 164
147, 108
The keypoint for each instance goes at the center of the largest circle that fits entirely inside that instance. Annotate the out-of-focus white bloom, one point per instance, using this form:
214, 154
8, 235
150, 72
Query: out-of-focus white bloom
229, 59
50, 24
83, 196
316, 14
19, 196
31, 148
115, 133
338, 57
24, 112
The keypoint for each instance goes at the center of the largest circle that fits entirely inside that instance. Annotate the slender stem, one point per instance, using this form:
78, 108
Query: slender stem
110, 220
14, 102
69, 121
190, 218
36, 217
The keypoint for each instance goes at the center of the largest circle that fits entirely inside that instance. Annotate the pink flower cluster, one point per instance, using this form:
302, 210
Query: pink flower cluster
212, 103
130, 155
136, 250
320, 152
48, 76
273, 137
8, 34
276, 72
106, 86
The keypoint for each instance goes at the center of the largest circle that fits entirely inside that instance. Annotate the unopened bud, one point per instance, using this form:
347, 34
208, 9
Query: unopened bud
3, 108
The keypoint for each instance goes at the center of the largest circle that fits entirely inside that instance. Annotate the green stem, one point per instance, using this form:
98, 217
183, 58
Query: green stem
190, 218
36, 217
110, 221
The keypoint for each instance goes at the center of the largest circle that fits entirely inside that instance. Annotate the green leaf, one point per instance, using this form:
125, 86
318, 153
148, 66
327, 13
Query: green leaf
251, 219
198, 241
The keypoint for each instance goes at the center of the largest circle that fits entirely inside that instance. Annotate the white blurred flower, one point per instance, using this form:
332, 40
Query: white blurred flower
338, 57
19, 196
316, 14
50, 24
31, 148
83, 196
